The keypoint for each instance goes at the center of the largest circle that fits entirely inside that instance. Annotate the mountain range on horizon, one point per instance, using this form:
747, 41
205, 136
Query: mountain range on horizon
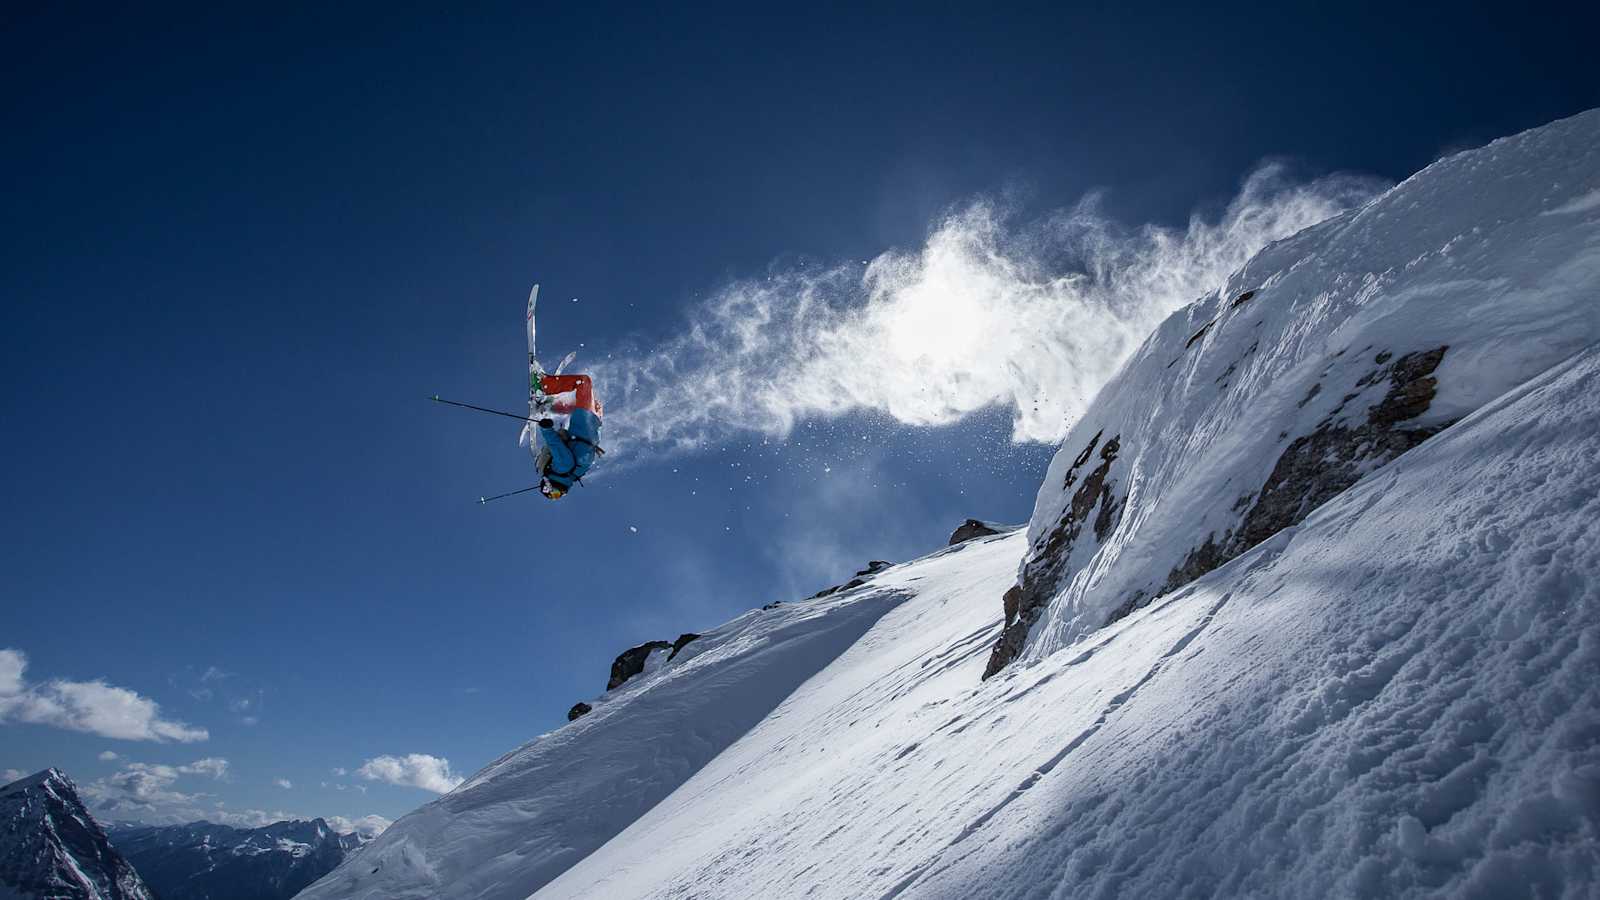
51, 846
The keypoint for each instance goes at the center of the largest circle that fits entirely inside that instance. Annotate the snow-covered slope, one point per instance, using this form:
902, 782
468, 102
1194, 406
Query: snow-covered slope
537, 810
1309, 606
202, 860
51, 848
1399, 697
1322, 359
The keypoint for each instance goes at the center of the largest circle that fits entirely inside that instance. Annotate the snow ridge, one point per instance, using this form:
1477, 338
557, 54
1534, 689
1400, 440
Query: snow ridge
534, 812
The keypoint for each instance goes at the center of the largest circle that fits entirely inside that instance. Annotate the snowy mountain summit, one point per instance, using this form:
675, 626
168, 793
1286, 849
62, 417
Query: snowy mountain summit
1309, 605
51, 847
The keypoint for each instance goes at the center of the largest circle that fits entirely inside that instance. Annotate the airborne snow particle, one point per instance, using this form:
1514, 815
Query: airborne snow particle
633, 528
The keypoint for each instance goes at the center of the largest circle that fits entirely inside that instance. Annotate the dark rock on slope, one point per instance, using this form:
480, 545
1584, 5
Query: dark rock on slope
630, 662
1313, 468
1046, 569
873, 568
972, 528
1319, 466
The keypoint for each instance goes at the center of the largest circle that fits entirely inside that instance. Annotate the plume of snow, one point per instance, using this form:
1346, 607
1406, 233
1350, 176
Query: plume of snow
1034, 316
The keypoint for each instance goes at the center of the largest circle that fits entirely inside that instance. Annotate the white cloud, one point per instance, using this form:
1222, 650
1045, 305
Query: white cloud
283, 783
215, 766
109, 756
431, 773
147, 793
244, 818
10, 775
366, 826
1032, 316
89, 706
12, 664
140, 788
340, 771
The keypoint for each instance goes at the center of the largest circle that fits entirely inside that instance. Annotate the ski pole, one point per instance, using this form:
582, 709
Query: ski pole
435, 398
483, 500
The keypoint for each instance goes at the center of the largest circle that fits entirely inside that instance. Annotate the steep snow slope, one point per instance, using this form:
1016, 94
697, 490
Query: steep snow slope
1325, 357
1399, 697
532, 813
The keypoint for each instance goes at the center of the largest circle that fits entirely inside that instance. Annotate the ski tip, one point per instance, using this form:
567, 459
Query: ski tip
482, 500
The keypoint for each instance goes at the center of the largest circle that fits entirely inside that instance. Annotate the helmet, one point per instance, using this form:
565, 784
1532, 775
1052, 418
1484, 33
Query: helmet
551, 490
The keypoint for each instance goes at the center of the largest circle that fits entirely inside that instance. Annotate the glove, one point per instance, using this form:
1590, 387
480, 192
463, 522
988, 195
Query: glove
547, 423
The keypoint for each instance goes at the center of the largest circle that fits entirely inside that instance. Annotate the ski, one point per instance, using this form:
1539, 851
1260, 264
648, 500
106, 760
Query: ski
536, 395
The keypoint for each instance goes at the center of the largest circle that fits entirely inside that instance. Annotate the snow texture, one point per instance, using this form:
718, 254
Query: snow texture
534, 812
1400, 697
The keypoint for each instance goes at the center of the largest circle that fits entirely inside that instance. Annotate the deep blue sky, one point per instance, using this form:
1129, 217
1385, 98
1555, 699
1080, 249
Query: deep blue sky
239, 250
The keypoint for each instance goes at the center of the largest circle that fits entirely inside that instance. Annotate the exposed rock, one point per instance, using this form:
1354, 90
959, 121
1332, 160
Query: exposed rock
1319, 466
682, 641
1046, 567
1312, 469
1011, 601
631, 662
578, 710
971, 528
873, 568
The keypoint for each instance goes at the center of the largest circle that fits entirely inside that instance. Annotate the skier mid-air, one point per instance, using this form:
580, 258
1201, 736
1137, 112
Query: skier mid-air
562, 455
565, 450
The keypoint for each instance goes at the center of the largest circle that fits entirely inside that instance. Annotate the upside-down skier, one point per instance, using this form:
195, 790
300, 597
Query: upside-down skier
565, 454
562, 455
562, 450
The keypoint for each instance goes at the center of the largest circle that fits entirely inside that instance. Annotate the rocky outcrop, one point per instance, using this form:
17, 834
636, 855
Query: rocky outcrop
873, 568
1311, 470
972, 528
682, 642
1046, 568
630, 662
1319, 466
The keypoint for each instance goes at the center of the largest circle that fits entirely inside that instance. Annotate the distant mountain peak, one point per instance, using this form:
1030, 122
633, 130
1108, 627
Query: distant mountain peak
50, 846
